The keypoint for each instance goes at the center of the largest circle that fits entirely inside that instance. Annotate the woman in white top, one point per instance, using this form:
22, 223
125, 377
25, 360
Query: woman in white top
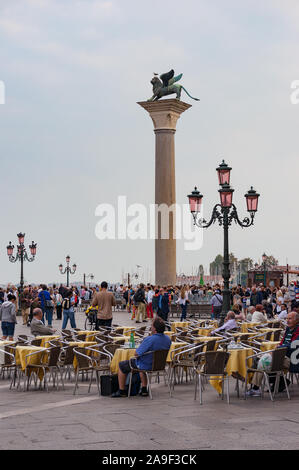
183, 301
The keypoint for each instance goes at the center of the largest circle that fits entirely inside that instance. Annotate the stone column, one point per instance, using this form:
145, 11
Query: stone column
165, 114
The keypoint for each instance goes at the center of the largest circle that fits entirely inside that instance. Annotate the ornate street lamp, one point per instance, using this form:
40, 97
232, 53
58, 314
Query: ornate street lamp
225, 213
21, 255
68, 270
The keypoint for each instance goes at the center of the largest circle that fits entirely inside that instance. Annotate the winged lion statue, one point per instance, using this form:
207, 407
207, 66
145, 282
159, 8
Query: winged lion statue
166, 85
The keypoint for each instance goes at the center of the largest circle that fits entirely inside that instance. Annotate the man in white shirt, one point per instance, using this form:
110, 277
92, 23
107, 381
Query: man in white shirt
149, 298
284, 312
258, 316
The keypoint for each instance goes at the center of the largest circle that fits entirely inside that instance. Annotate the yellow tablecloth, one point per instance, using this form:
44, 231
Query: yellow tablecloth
246, 325
120, 355
174, 345
236, 364
46, 339
117, 338
90, 335
205, 339
179, 324
267, 345
23, 351
127, 329
266, 330
205, 331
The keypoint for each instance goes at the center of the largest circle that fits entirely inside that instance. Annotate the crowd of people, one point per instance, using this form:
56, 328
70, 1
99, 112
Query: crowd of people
143, 302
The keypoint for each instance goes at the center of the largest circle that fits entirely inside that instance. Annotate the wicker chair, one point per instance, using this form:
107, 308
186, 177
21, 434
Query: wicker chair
183, 360
277, 370
51, 366
88, 364
158, 365
36, 342
213, 369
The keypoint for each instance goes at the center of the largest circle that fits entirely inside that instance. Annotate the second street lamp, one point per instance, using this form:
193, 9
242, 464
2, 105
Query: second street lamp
68, 270
225, 213
21, 255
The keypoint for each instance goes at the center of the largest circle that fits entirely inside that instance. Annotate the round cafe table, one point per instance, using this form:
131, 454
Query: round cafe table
206, 331
179, 324
236, 364
206, 339
266, 330
45, 340
268, 345
121, 354
245, 325
23, 351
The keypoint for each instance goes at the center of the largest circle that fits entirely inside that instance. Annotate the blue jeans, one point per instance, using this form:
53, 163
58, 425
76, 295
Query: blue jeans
48, 313
68, 315
184, 312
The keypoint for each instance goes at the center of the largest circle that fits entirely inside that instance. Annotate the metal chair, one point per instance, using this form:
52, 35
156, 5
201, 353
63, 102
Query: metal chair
36, 342
87, 364
50, 366
276, 369
213, 369
158, 365
183, 358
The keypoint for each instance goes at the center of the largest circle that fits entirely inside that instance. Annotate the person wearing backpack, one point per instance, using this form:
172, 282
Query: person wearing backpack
139, 298
58, 304
47, 304
216, 302
68, 310
8, 317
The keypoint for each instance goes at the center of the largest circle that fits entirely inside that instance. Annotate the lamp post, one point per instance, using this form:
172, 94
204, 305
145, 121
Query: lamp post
21, 255
225, 213
68, 270
264, 258
91, 276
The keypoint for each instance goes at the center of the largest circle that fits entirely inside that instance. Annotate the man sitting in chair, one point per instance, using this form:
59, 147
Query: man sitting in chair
155, 342
37, 327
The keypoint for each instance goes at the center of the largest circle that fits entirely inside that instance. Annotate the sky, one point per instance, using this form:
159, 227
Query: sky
73, 137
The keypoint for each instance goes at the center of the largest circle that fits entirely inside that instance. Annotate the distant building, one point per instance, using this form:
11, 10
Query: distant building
275, 276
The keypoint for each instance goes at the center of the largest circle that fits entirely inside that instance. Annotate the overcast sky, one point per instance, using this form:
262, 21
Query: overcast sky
73, 137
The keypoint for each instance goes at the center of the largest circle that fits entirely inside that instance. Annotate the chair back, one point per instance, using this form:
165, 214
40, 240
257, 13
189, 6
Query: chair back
278, 356
83, 362
215, 362
210, 345
54, 356
120, 342
55, 343
23, 338
110, 348
36, 342
268, 336
69, 356
66, 332
8, 358
270, 325
120, 331
276, 324
81, 337
159, 359
276, 335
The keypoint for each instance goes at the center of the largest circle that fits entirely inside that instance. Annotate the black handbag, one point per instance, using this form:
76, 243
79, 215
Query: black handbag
109, 384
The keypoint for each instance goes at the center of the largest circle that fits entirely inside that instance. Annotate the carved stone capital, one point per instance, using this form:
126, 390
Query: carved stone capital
165, 113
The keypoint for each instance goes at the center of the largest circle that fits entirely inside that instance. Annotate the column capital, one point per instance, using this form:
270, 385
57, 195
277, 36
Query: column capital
165, 113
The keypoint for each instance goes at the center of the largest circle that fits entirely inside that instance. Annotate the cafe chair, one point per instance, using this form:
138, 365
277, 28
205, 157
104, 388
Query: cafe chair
183, 360
88, 364
213, 368
276, 370
48, 365
158, 366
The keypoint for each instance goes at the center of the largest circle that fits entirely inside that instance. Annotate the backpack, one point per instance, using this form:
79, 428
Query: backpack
135, 385
66, 304
138, 297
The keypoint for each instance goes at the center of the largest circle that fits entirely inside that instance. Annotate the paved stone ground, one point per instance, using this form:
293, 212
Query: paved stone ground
58, 420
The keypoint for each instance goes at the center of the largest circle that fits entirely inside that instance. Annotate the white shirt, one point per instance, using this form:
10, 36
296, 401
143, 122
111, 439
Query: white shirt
283, 315
150, 296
